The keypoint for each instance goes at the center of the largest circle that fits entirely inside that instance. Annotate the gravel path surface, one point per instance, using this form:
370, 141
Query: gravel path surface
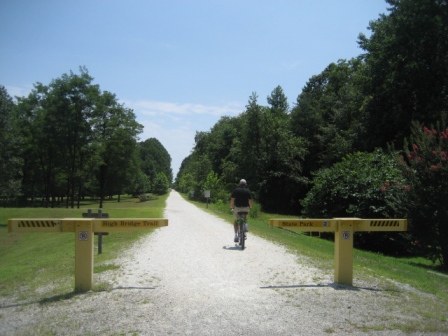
190, 279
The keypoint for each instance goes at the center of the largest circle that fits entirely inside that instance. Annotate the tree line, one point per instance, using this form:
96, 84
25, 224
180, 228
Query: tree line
68, 140
366, 137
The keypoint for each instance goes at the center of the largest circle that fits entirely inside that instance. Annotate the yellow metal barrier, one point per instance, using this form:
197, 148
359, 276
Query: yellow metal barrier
84, 229
343, 229
311, 225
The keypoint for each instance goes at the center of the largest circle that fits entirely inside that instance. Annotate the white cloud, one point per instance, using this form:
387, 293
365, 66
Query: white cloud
157, 107
16, 91
175, 125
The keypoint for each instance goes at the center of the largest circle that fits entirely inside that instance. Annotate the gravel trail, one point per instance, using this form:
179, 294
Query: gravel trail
191, 279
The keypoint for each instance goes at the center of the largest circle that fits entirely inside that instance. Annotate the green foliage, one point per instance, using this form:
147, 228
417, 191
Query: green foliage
329, 115
425, 165
406, 67
354, 187
161, 184
154, 159
74, 138
257, 146
186, 183
146, 197
115, 132
10, 161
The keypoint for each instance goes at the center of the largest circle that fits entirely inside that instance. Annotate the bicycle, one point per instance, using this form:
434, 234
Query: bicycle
242, 227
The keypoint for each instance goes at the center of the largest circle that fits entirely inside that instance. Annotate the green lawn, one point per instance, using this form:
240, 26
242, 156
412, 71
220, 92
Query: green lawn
45, 261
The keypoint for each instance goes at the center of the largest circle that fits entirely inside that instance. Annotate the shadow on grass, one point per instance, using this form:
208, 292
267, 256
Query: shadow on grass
434, 268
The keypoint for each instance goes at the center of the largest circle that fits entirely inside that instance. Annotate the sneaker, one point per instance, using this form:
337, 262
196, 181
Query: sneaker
236, 239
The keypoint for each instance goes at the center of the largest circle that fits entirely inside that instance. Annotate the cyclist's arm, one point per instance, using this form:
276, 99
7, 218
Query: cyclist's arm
232, 203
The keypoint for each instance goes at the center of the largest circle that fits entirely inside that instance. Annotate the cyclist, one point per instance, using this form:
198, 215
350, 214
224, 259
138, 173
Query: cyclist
240, 200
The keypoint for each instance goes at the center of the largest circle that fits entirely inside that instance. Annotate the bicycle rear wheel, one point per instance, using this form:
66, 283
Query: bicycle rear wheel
242, 235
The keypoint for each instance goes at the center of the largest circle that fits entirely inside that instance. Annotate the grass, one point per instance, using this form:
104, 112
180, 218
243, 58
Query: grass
31, 262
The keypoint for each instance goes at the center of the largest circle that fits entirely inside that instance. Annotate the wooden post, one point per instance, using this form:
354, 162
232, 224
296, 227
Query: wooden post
100, 214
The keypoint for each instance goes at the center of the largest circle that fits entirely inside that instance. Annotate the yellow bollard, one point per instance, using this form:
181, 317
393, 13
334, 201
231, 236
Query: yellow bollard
84, 238
343, 251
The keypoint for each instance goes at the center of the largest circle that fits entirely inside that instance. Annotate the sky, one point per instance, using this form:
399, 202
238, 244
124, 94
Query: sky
180, 64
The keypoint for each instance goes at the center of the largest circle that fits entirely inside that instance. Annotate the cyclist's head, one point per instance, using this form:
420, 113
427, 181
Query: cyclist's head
243, 182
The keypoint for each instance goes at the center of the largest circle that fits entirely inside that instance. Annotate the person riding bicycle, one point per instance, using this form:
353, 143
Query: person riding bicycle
240, 201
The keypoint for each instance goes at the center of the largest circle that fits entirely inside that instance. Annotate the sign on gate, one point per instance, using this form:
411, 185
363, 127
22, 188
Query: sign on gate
84, 229
343, 229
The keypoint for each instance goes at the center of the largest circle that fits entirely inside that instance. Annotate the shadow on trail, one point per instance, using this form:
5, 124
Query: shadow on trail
232, 248
129, 288
67, 296
333, 285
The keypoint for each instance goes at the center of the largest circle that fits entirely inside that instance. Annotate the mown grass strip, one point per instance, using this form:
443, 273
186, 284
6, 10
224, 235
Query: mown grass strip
45, 261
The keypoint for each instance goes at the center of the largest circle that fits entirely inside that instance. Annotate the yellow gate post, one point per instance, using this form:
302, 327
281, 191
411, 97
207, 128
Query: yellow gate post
344, 229
84, 229
343, 252
83, 256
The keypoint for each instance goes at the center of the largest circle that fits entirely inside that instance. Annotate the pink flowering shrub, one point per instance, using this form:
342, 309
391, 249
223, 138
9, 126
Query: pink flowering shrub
424, 199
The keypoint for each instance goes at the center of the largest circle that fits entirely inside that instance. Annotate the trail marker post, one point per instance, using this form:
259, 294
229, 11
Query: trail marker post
207, 196
100, 214
84, 229
343, 229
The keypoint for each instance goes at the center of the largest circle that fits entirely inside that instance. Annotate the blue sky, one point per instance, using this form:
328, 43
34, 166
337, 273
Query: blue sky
180, 65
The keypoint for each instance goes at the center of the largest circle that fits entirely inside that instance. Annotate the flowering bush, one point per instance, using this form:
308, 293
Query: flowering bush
424, 200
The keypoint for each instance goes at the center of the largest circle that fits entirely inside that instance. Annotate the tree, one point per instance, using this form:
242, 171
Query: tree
161, 184
278, 101
329, 114
115, 130
249, 155
67, 108
9, 148
220, 141
155, 159
280, 179
406, 65
75, 139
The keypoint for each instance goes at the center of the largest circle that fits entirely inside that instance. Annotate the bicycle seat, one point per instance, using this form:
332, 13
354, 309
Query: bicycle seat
242, 213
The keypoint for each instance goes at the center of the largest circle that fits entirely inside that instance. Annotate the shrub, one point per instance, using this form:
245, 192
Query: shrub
147, 197
425, 165
353, 188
